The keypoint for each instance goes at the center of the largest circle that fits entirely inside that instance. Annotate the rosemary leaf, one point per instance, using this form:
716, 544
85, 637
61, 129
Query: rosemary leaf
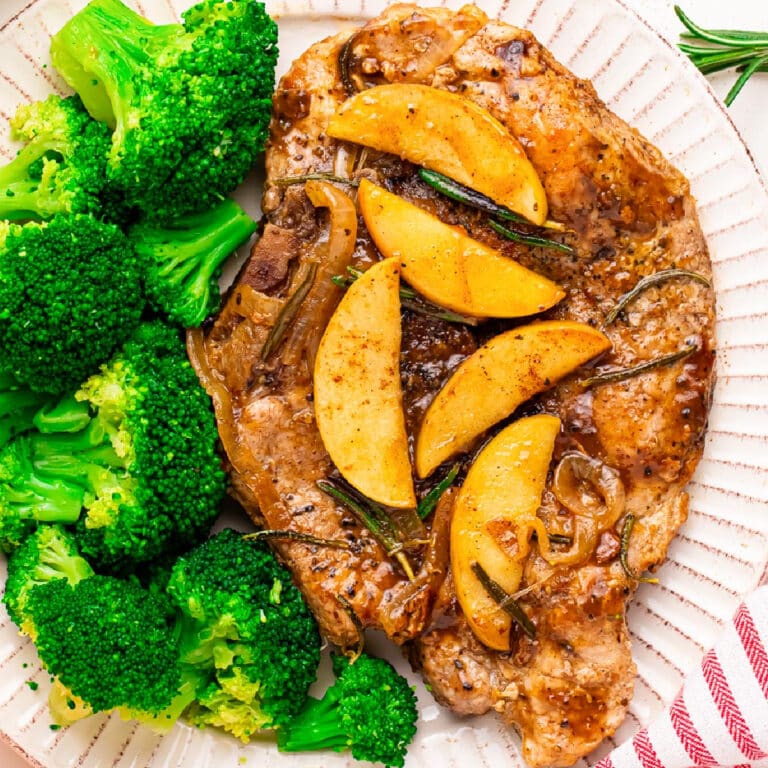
373, 517
305, 538
286, 181
461, 194
429, 502
620, 374
755, 65
506, 602
649, 281
626, 533
352, 655
526, 239
288, 312
745, 50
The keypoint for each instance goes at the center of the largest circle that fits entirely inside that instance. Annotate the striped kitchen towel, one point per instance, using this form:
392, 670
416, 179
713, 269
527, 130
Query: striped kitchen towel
720, 717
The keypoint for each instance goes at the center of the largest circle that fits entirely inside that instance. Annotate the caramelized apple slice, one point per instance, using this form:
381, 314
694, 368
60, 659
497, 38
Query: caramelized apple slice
449, 134
496, 379
358, 399
447, 266
494, 518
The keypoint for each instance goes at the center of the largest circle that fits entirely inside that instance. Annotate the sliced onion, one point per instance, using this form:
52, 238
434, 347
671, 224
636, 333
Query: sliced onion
594, 494
333, 255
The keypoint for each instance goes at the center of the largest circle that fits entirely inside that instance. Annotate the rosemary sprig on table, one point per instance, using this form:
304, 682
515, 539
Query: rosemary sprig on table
717, 49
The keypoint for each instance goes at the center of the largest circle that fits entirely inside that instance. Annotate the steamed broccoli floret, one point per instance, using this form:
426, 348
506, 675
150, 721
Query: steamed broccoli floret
370, 710
247, 633
49, 553
189, 103
112, 644
70, 295
18, 406
109, 643
185, 258
135, 449
62, 167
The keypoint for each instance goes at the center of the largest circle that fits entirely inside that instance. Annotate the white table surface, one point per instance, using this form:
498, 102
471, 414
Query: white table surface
749, 111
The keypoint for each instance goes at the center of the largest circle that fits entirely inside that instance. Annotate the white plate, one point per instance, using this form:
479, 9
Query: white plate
721, 552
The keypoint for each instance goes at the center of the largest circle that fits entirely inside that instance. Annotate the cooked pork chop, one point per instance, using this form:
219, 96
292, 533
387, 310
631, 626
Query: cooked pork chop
628, 214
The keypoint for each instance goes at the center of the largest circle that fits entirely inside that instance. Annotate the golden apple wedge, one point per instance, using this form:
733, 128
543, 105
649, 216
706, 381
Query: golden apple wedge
447, 266
496, 379
494, 517
358, 398
446, 133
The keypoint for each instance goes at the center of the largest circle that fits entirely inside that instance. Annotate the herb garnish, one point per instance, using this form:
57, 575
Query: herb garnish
505, 601
374, 517
725, 49
620, 374
626, 532
289, 311
648, 281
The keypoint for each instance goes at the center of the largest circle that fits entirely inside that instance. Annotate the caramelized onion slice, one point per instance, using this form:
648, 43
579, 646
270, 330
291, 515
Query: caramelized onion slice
333, 257
594, 494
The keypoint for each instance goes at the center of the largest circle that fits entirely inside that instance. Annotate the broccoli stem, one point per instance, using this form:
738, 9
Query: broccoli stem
21, 193
317, 726
48, 500
101, 49
68, 415
188, 255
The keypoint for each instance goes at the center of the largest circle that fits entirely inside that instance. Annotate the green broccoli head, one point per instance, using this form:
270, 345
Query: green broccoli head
189, 103
369, 710
70, 295
110, 642
159, 424
62, 167
185, 258
248, 630
49, 553
131, 459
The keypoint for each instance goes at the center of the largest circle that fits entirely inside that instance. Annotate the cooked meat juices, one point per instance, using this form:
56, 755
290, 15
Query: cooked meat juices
629, 214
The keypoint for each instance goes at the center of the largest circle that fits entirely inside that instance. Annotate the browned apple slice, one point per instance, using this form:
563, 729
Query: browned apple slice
449, 134
496, 379
358, 398
446, 265
494, 518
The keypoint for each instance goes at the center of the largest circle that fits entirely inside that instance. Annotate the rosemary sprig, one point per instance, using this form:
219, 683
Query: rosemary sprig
427, 505
506, 602
287, 181
647, 282
288, 312
745, 50
620, 374
523, 237
353, 654
373, 517
304, 538
461, 194
626, 533
411, 300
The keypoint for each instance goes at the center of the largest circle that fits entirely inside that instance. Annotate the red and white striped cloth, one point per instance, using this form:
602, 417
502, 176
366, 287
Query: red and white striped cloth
720, 717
